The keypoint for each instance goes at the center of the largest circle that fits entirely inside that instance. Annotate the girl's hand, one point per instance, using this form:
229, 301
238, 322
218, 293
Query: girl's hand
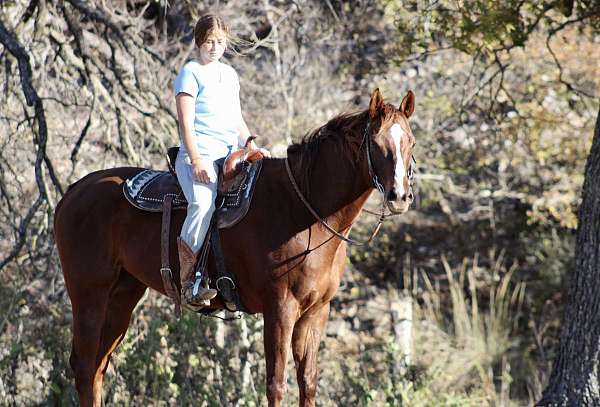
203, 171
252, 146
266, 153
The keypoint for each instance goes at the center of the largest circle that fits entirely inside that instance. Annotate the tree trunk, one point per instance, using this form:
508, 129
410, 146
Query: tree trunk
575, 376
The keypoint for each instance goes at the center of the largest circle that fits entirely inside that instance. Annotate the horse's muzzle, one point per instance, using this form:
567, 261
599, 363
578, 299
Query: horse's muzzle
398, 208
399, 205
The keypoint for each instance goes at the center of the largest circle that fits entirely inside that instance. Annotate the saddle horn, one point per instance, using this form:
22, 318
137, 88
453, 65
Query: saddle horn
236, 160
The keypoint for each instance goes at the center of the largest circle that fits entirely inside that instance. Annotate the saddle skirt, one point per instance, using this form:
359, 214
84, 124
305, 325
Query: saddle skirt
147, 191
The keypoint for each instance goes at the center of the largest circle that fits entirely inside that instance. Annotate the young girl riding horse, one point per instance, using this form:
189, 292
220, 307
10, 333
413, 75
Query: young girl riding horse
211, 127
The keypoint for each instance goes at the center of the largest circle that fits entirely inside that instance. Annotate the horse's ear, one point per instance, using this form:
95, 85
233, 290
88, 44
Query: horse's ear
408, 104
375, 104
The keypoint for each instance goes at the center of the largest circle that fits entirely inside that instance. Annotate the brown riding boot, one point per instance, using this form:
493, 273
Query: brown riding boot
187, 261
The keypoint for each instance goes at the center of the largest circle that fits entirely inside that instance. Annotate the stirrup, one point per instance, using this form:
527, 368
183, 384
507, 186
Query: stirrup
198, 294
193, 303
201, 287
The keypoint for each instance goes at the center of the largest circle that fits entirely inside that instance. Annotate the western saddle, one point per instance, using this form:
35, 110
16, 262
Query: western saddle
159, 191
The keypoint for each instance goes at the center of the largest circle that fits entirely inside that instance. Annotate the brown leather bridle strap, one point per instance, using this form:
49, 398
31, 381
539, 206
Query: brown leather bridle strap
317, 217
165, 269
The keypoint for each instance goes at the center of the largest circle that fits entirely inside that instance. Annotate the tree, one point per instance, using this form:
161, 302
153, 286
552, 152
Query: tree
489, 32
509, 94
575, 376
90, 84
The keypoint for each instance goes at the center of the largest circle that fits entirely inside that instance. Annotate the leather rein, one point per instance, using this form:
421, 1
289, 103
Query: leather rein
376, 184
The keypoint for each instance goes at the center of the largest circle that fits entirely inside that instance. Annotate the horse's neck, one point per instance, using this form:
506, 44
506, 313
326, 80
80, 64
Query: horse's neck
338, 187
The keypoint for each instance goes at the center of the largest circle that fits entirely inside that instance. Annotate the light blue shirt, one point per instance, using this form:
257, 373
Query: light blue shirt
216, 90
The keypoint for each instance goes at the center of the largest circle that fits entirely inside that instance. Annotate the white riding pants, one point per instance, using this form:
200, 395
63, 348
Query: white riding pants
201, 201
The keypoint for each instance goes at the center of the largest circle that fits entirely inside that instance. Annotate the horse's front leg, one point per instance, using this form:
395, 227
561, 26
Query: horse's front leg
305, 347
279, 322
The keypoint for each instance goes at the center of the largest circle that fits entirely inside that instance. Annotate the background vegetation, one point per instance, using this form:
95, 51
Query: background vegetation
507, 94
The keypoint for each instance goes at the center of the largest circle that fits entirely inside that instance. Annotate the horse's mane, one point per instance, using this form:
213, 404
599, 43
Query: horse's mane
346, 130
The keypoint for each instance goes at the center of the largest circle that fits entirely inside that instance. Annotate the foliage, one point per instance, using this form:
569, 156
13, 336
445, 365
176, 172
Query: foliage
522, 130
482, 26
503, 124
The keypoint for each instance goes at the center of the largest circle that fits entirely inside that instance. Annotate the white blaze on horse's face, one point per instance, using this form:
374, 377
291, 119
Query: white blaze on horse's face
397, 133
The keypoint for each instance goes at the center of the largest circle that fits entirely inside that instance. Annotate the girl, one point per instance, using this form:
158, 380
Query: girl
211, 126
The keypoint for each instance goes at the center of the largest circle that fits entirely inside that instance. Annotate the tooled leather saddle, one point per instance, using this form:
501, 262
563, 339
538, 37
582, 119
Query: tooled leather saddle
159, 191
148, 189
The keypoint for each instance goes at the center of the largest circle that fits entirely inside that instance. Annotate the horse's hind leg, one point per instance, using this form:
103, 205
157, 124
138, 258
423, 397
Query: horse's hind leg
123, 298
89, 308
100, 319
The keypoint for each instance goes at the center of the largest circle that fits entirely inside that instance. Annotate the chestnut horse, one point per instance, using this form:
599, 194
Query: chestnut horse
287, 263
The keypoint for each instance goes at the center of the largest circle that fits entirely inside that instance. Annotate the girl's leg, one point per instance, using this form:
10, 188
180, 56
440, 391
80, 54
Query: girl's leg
201, 203
201, 206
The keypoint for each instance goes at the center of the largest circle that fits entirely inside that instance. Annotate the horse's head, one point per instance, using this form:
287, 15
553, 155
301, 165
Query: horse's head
390, 143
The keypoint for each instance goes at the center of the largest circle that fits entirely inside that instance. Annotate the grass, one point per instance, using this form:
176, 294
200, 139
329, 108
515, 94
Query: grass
466, 352
465, 333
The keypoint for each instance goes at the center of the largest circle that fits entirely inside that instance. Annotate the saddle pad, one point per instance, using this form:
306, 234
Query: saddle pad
148, 189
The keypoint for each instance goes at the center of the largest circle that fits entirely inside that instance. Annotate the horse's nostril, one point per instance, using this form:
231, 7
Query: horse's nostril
392, 196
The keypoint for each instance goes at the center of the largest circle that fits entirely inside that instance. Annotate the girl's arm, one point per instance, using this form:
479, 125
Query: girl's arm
185, 115
244, 133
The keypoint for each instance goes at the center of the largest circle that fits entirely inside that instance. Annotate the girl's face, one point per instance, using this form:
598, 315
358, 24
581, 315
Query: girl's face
213, 48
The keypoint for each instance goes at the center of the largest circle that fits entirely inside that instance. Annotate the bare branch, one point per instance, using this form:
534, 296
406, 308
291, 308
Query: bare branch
22, 232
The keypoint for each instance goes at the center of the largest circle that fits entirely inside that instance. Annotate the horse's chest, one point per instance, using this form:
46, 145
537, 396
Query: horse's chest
314, 284
311, 275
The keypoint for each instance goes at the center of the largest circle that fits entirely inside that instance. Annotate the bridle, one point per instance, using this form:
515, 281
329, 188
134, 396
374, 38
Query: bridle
376, 184
366, 140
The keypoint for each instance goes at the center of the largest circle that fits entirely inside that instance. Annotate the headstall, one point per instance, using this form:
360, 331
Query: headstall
382, 215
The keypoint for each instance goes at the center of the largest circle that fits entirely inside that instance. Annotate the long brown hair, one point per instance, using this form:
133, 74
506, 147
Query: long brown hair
213, 24
210, 24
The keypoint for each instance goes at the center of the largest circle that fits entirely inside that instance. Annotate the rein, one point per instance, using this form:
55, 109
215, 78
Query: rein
317, 217
377, 185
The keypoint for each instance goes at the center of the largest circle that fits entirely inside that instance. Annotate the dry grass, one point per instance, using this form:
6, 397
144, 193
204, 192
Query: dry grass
466, 342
